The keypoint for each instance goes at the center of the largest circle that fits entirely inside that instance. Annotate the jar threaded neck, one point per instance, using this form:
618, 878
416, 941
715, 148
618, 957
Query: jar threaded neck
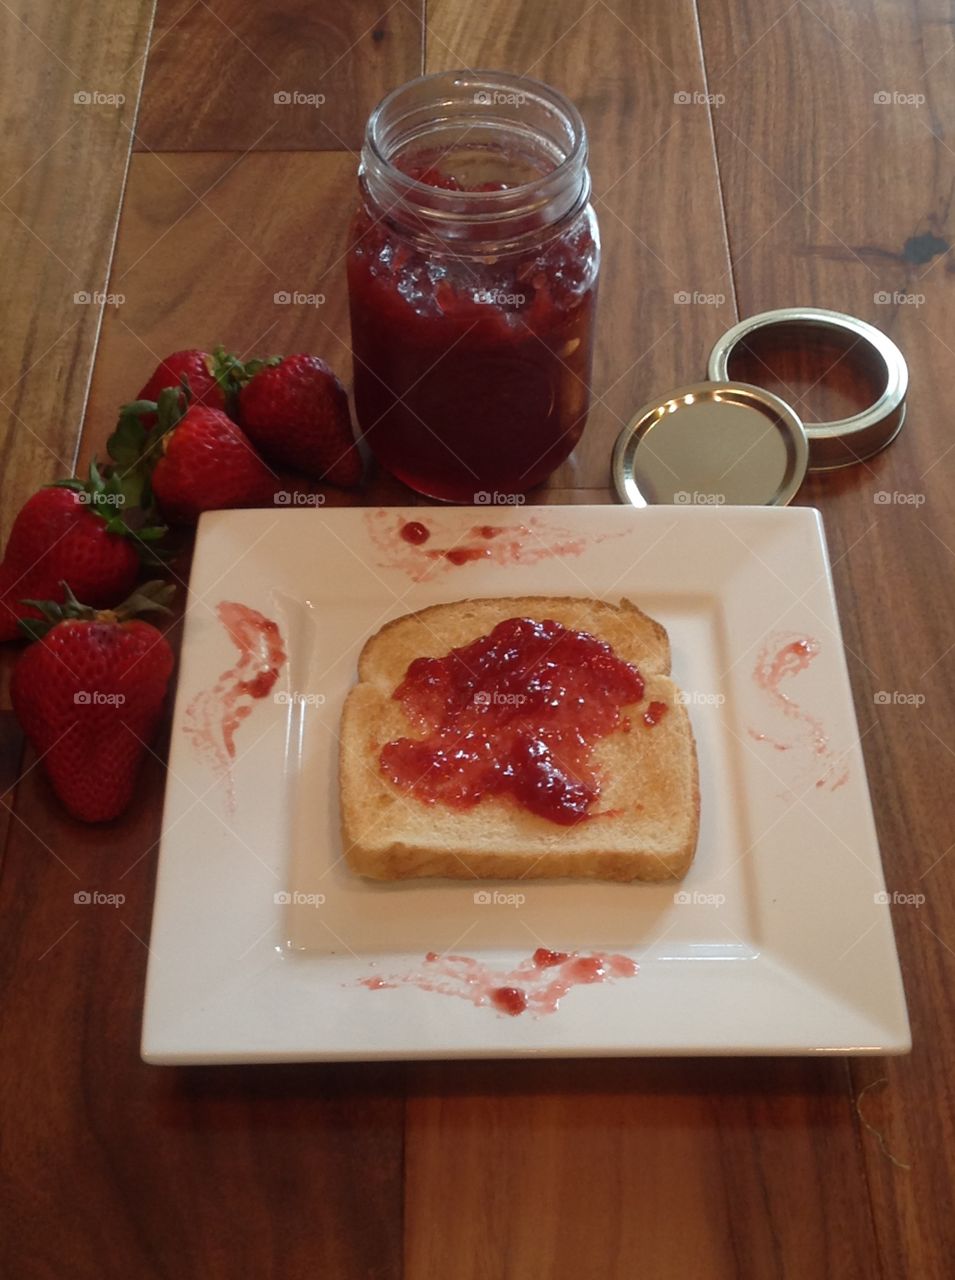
524, 139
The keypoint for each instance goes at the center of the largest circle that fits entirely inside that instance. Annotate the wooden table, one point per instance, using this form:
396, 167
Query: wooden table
744, 153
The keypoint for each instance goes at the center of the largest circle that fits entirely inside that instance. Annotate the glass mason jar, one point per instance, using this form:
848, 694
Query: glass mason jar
472, 280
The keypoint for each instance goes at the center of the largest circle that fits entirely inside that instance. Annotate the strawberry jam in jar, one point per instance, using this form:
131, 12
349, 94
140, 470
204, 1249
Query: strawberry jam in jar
472, 278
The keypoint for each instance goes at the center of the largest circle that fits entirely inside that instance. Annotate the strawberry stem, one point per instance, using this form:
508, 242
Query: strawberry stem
230, 373
119, 495
152, 597
252, 367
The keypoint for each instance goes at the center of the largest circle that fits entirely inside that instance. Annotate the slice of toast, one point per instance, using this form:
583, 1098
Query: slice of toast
646, 817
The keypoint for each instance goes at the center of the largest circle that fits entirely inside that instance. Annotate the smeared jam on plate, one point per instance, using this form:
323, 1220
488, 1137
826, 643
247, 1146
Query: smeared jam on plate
782, 658
516, 712
536, 985
214, 715
425, 550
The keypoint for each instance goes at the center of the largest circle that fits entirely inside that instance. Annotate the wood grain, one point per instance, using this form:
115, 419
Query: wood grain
63, 170
659, 1168
279, 221
655, 186
215, 70
11, 755
849, 206
117, 1169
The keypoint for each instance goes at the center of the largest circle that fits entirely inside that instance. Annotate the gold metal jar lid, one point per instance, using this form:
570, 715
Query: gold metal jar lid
867, 351
711, 444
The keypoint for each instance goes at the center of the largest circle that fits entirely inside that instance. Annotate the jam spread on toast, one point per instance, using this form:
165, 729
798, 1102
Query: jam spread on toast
654, 714
516, 712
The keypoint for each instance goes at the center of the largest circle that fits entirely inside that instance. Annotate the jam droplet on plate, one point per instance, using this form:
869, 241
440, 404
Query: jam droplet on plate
510, 1000
546, 959
516, 712
586, 969
464, 555
415, 532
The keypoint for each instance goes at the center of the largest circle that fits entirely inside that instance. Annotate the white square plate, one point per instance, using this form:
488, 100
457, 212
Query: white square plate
777, 942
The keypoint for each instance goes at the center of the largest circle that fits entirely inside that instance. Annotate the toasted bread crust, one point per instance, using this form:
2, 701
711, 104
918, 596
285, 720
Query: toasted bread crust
656, 641
653, 781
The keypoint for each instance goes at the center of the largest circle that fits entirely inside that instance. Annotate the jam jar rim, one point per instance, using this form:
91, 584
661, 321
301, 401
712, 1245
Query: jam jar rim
527, 208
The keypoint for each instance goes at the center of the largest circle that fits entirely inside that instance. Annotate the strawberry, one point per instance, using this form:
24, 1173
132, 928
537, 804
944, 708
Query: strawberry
89, 697
210, 378
80, 532
296, 412
196, 460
